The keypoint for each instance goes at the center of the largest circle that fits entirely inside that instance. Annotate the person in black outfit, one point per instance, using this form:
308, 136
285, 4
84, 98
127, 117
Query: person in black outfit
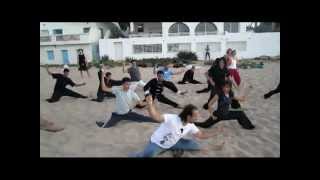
188, 77
155, 87
272, 92
109, 83
208, 75
207, 53
82, 63
60, 88
224, 98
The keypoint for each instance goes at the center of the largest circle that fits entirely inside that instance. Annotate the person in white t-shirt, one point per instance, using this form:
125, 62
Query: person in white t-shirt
169, 136
126, 100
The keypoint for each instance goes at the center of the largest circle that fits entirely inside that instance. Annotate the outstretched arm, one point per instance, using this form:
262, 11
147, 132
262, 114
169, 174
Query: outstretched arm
155, 69
244, 94
178, 72
81, 84
123, 68
153, 112
206, 135
102, 83
210, 104
47, 68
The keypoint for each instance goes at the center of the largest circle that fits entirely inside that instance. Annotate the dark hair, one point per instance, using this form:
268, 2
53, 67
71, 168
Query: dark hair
229, 50
125, 79
187, 110
227, 83
66, 70
108, 73
160, 72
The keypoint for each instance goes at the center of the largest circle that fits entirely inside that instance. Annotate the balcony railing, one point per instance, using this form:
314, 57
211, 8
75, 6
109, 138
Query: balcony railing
145, 35
69, 37
206, 33
45, 38
64, 38
179, 34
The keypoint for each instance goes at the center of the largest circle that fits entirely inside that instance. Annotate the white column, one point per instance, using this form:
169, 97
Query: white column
131, 27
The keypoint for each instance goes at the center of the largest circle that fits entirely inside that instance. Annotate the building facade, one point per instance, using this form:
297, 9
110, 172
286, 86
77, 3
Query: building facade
60, 42
166, 39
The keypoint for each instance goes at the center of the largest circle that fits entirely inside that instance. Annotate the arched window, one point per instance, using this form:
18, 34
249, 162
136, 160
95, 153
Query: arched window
231, 27
206, 28
179, 29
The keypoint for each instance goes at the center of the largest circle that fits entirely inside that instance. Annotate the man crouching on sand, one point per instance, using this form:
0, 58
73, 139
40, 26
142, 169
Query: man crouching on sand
126, 100
169, 136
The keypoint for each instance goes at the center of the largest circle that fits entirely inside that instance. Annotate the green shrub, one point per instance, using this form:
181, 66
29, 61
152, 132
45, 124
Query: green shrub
186, 55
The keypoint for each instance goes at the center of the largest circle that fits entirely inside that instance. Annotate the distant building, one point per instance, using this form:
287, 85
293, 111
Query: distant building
60, 42
166, 39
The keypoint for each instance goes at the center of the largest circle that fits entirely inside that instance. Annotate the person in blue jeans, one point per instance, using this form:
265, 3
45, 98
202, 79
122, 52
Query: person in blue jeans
170, 135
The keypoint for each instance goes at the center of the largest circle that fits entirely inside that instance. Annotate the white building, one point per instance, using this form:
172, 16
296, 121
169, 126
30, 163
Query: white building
165, 39
60, 42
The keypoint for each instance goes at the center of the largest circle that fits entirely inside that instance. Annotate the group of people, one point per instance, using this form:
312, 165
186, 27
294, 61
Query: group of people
221, 77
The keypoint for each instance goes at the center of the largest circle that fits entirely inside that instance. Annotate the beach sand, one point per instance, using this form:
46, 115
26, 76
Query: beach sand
82, 138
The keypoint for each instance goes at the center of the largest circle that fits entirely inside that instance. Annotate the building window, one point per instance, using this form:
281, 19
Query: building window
65, 56
205, 28
179, 29
238, 45
231, 27
57, 31
140, 28
176, 47
86, 30
147, 48
44, 33
50, 55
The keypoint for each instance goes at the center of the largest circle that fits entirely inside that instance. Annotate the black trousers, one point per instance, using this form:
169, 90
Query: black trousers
272, 92
170, 85
66, 92
101, 95
165, 100
240, 116
207, 54
131, 116
192, 81
207, 89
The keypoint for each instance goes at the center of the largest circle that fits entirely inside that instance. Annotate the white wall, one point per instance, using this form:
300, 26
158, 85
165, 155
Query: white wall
257, 44
72, 51
68, 27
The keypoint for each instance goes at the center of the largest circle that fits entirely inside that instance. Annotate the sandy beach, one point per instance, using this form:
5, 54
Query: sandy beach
82, 138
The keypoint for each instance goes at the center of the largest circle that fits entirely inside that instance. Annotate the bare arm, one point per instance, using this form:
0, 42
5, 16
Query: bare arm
141, 103
245, 94
81, 84
123, 68
178, 72
153, 112
49, 72
154, 69
206, 135
103, 85
210, 104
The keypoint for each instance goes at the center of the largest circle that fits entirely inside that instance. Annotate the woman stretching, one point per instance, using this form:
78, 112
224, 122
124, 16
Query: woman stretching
224, 98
